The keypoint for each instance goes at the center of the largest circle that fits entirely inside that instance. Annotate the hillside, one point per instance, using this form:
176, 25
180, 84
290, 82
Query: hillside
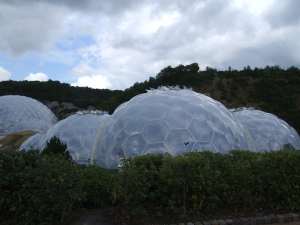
271, 89
61, 92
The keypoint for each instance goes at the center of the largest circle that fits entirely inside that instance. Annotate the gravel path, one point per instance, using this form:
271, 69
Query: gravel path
90, 217
101, 217
292, 223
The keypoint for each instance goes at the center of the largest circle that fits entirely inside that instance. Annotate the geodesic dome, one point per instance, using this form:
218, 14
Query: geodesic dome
35, 142
78, 132
168, 121
268, 131
20, 113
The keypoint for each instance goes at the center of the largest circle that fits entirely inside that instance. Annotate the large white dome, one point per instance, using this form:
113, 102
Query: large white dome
168, 121
78, 132
268, 131
20, 113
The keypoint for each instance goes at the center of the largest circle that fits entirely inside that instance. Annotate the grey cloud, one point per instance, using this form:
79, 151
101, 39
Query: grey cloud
109, 7
210, 32
284, 13
217, 34
192, 37
35, 25
275, 52
214, 17
28, 28
112, 7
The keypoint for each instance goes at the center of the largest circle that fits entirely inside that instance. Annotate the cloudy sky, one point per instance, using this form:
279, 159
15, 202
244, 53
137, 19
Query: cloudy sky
114, 43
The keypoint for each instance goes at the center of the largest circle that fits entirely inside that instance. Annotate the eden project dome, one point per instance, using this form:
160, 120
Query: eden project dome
78, 132
170, 121
35, 142
268, 131
20, 113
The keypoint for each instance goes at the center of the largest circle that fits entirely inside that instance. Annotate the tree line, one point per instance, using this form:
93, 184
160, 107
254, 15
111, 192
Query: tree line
272, 89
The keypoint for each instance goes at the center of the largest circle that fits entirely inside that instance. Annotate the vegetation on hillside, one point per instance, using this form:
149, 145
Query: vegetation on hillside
61, 92
271, 89
42, 189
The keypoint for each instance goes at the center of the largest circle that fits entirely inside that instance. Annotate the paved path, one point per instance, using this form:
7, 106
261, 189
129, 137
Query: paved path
91, 217
291, 223
99, 217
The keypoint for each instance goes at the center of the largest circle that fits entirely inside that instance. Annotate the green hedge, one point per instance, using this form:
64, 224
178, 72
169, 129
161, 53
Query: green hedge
99, 187
36, 189
43, 189
209, 183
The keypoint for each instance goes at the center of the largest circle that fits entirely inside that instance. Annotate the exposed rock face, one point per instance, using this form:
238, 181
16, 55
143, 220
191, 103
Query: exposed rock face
13, 141
65, 109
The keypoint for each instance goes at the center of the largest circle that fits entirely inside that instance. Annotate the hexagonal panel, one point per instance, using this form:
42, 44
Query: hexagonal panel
201, 131
201, 146
133, 126
155, 131
274, 144
134, 145
158, 148
230, 136
118, 125
118, 152
178, 119
196, 110
157, 99
179, 140
119, 140
221, 143
152, 111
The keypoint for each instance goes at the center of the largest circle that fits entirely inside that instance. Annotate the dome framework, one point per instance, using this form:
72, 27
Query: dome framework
168, 121
269, 132
20, 113
78, 132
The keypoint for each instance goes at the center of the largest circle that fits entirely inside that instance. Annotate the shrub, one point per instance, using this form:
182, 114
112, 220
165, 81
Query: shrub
207, 183
140, 184
37, 189
42, 189
55, 146
99, 187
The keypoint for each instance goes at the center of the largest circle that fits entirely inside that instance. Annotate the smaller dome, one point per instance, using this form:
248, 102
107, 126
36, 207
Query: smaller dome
268, 131
78, 132
35, 142
20, 113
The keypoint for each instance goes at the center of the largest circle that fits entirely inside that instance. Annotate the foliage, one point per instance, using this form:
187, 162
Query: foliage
37, 189
61, 92
56, 147
140, 176
43, 189
209, 183
99, 187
